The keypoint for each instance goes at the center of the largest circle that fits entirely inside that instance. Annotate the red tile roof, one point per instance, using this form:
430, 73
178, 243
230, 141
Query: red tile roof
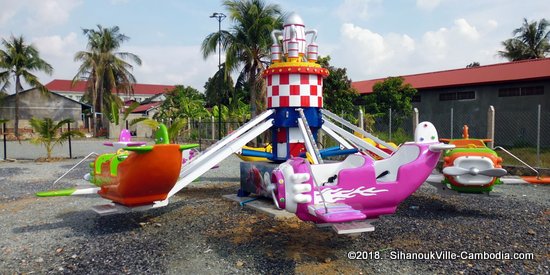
512, 71
61, 85
146, 107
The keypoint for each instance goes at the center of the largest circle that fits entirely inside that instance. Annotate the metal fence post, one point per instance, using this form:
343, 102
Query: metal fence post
415, 119
70, 147
5, 140
452, 123
539, 110
213, 127
199, 128
361, 119
189, 122
491, 126
389, 139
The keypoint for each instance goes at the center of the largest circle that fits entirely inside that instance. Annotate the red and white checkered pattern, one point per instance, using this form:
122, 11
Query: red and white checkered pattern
294, 90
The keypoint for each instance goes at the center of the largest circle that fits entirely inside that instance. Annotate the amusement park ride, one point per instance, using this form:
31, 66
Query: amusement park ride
471, 167
346, 194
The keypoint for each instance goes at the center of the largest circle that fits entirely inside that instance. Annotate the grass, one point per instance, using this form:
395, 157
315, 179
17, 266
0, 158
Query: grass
526, 154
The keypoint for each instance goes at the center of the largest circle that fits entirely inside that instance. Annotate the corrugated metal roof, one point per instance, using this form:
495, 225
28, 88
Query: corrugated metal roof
503, 72
61, 85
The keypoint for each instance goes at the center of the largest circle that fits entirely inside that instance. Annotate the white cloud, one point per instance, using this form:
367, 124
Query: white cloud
361, 9
46, 13
9, 10
37, 14
435, 43
466, 29
59, 52
57, 46
173, 65
368, 54
427, 5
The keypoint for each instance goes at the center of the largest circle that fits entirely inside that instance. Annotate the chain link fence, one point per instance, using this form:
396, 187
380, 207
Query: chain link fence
525, 134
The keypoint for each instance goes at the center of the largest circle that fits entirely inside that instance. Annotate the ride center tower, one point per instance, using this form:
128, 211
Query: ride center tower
294, 85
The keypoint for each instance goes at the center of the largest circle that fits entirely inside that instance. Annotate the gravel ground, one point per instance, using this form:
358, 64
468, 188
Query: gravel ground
199, 232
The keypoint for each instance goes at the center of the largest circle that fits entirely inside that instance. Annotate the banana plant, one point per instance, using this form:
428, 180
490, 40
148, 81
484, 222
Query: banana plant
48, 133
174, 129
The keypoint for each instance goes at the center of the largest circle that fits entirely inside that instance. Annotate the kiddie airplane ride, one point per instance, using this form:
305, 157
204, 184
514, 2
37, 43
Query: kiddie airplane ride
135, 175
471, 167
343, 194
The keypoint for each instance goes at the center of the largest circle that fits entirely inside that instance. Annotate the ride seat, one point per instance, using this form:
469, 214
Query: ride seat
387, 169
145, 177
356, 168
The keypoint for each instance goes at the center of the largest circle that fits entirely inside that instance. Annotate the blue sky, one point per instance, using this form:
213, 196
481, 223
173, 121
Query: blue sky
371, 38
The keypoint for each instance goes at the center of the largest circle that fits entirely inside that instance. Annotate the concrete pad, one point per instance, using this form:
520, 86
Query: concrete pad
261, 204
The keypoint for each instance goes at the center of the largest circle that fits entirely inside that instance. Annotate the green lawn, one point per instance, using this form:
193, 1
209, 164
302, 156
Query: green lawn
528, 155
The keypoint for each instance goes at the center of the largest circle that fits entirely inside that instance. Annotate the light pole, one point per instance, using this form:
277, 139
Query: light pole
219, 16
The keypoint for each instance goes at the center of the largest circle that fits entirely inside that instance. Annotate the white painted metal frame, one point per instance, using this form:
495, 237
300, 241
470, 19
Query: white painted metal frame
346, 123
360, 143
205, 162
311, 145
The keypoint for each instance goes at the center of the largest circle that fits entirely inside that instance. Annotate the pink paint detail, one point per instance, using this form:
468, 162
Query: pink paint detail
125, 135
277, 178
124, 140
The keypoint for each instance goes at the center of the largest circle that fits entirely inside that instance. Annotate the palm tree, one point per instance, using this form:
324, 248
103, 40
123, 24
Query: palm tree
48, 130
18, 60
105, 69
530, 41
246, 44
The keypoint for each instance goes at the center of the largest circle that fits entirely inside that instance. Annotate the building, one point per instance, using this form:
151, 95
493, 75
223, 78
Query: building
141, 91
453, 98
35, 103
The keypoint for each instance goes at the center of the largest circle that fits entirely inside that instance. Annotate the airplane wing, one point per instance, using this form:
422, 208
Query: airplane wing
68, 192
144, 149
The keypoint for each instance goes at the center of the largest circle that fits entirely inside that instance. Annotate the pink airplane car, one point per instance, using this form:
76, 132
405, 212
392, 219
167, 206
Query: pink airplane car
359, 187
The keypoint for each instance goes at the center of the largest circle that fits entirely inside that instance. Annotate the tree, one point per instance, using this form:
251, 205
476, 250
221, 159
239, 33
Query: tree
212, 92
105, 69
48, 133
18, 60
182, 103
247, 43
530, 41
234, 97
473, 64
391, 93
338, 95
